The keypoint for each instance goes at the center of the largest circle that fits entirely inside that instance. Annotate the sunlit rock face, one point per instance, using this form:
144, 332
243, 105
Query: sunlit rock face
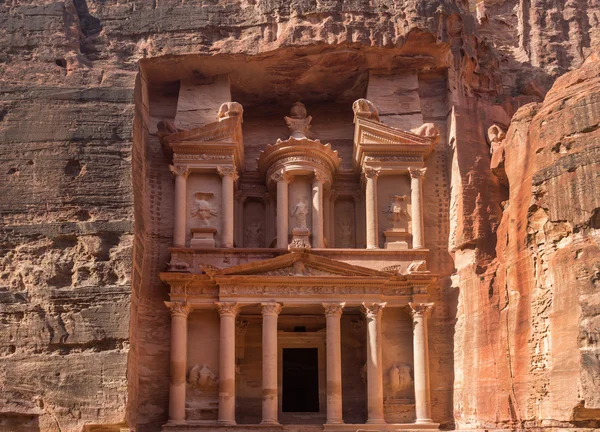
510, 218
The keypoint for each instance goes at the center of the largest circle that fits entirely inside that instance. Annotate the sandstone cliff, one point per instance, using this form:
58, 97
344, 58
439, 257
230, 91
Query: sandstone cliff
524, 297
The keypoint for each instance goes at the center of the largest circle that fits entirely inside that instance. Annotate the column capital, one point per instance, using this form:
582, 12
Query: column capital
417, 172
372, 173
420, 309
334, 309
372, 310
319, 177
271, 308
228, 308
180, 170
178, 308
281, 175
228, 170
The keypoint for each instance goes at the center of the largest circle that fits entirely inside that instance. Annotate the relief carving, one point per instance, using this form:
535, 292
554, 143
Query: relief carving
230, 109
299, 121
253, 235
364, 108
202, 209
396, 211
428, 130
345, 232
202, 378
301, 213
399, 377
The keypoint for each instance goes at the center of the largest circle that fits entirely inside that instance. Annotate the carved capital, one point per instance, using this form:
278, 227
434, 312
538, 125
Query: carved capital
371, 173
228, 170
281, 175
334, 309
180, 170
417, 172
420, 309
319, 177
228, 308
178, 309
271, 308
372, 310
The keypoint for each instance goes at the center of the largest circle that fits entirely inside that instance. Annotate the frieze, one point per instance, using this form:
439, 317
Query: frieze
202, 156
393, 159
289, 290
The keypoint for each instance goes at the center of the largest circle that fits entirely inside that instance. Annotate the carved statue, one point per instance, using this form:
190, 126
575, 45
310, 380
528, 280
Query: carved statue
253, 234
345, 232
202, 208
166, 127
495, 136
428, 130
230, 109
365, 109
418, 266
298, 111
202, 377
399, 376
301, 213
397, 210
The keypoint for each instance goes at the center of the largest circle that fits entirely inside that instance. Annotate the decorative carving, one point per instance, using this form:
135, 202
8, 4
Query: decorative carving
228, 170
495, 136
178, 308
271, 308
202, 377
320, 177
419, 266
208, 269
345, 232
253, 235
299, 121
202, 209
393, 159
396, 210
203, 156
364, 108
176, 265
372, 310
400, 377
180, 170
396, 268
301, 213
228, 308
281, 175
334, 309
428, 130
371, 172
241, 326
166, 127
299, 243
417, 172
420, 308
230, 109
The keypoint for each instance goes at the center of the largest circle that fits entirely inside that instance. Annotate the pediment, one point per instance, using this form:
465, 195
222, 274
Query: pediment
301, 264
224, 130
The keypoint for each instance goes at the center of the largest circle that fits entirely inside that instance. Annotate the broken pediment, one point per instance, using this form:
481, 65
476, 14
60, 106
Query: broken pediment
300, 264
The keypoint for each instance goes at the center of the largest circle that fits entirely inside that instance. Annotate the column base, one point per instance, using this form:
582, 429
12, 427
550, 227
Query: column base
376, 421
424, 421
270, 423
226, 422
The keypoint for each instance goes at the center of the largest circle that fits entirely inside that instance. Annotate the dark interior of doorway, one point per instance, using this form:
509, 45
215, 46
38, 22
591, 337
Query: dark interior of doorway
300, 380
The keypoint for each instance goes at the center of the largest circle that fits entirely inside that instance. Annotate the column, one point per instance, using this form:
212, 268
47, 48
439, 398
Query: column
270, 219
358, 218
371, 175
228, 177
282, 208
419, 313
270, 405
373, 312
333, 313
327, 217
179, 314
333, 196
227, 313
181, 173
239, 218
317, 210
416, 195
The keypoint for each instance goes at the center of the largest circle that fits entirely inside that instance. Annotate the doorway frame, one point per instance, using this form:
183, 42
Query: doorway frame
303, 340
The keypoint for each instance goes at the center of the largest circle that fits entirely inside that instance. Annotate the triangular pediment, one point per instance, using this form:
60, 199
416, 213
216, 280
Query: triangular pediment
372, 132
301, 264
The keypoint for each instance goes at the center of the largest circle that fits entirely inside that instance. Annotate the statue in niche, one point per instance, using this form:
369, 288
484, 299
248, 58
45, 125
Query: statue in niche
253, 234
202, 377
202, 209
399, 376
301, 213
345, 232
396, 210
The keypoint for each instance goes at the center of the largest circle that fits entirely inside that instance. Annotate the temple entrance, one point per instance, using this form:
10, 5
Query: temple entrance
300, 380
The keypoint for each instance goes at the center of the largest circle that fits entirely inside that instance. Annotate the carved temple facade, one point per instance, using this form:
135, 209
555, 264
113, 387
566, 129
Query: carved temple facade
299, 289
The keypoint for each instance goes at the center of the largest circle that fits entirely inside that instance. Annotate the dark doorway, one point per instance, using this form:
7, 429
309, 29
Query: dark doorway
300, 380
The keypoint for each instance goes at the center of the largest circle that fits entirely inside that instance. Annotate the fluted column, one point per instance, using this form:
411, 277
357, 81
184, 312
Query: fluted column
371, 175
227, 313
179, 314
229, 176
419, 313
373, 312
282, 180
317, 210
416, 201
181, 173
333, 313
270, 406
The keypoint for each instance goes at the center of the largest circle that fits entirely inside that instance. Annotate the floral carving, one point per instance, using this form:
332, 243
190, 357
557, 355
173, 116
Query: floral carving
228, 308
178, 308
180, 170
271, 308
372, 310
334, 309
